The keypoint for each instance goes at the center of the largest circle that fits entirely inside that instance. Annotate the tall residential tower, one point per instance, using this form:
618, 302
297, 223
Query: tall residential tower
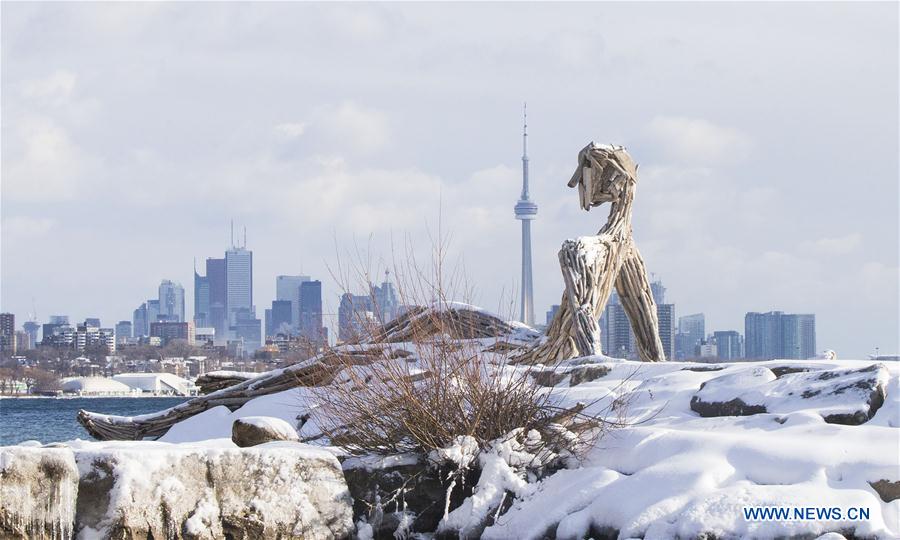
526, 211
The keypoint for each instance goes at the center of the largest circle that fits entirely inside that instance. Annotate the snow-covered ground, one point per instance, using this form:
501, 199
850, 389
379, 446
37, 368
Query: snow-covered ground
673, 473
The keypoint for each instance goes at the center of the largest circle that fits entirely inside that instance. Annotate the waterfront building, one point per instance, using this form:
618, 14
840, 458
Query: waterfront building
665, 314
776, 334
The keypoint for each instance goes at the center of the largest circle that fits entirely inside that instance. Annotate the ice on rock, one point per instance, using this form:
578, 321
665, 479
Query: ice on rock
38, 487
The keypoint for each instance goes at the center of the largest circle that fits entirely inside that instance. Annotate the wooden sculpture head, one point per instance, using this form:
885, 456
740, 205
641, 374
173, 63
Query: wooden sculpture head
605, 173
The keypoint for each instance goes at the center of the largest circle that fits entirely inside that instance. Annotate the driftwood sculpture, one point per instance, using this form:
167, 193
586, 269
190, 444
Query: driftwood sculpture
592, 265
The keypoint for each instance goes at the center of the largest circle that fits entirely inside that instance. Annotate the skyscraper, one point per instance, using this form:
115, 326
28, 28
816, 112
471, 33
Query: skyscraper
153, 313
665, 314
691, 331
171, 301
123, 331
140, 323
201, 299
386, 303
7, 332
354, 314
288, 288
526, 211
31, 328
238, 281
729, 344
280, 322
311, 311
779, 335
218, 317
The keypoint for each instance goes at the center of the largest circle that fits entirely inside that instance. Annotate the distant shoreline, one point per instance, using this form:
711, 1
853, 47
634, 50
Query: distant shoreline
140, 396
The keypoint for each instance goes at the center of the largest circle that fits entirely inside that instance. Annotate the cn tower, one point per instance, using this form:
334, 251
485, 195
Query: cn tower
526, 211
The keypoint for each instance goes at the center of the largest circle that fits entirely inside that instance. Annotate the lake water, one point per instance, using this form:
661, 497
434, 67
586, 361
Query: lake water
53, 419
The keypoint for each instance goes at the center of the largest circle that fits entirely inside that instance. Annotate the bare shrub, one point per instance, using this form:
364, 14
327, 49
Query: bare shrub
430, 378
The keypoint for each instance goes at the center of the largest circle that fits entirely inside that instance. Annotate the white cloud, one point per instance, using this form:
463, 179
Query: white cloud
355, 127
694, 140
836, 245
291, 130
55, 89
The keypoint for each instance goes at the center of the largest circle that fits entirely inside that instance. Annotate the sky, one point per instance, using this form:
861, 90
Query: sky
766, 133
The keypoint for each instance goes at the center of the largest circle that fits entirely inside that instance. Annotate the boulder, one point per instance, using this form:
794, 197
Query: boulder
38, 487
840, 396
254, 430
887, 490
156, 490
388, 491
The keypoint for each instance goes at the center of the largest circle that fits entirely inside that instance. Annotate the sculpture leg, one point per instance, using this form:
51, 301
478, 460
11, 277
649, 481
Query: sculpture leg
637, 300
589, 267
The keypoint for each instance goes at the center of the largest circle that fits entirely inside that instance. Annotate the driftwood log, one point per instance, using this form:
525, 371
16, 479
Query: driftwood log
593, 265
458, 321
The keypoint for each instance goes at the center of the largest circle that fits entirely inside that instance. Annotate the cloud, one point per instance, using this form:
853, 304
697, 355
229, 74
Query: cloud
43, 162
291, 130
837, 245
360, 128
694, 140
55, 89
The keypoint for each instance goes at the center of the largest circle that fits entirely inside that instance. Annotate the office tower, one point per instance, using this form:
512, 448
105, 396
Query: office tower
153, 313
218, 297
385, 297
658, 291
168, 331
279, 318
123, 331
31, 329
7, 332
238, 281
666, 321
691, 330
59, 319
526, 211
141, 324
246, 329
779, 335
729, 344
201, 299
311, 311
355, 312
92, 321
288, 288
171, 301
552, 313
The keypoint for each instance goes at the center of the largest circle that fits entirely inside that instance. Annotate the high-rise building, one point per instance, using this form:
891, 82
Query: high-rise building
552, 313
526, 211
665, 314
153, 313
658, 291
287, 288
238, 281
218, 297
355, 313
691, 330
387, 304
7, 332
279, 318
31, 329
92, 321
59, 319
140, 322
123, 331
246, 329
729, 344
311, 326
171, 301
168, 331
201, 299
779, 335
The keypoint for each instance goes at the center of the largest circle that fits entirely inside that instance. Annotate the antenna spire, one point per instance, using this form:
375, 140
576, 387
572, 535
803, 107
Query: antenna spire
232, 233
245, 236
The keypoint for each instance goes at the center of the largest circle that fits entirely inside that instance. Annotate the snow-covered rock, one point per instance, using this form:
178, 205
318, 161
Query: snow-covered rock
202, 491
254, 430
37, 492
841, 396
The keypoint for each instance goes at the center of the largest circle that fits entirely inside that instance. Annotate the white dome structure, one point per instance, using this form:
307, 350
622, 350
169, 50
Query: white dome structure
95, 386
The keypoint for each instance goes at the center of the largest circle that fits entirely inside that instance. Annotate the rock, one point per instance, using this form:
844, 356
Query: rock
156, 490
375, 483
37, 492
887, 490
577, 375
253, 430
840, 396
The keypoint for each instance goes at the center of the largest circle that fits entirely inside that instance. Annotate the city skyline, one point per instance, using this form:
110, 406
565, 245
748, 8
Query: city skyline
742, 198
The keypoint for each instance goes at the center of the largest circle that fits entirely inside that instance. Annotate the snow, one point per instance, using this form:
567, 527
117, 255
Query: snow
273, 425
